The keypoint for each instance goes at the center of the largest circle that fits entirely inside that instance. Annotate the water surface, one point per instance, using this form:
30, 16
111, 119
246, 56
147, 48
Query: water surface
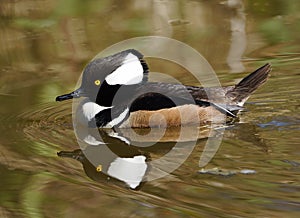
43, 49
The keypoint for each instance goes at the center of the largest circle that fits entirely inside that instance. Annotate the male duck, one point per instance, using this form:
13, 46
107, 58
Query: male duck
119, 95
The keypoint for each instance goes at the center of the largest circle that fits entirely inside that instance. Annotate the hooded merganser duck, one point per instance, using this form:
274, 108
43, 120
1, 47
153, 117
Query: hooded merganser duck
120, 95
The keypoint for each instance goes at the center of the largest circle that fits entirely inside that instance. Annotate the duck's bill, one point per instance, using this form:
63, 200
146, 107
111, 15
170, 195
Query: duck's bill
76, 94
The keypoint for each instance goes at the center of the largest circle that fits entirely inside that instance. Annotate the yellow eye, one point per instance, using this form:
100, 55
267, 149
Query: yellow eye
97, 82
99, 168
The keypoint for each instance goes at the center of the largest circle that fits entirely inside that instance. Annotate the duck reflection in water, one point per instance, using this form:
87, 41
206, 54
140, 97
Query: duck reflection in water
118, 157
112, 163
108, 159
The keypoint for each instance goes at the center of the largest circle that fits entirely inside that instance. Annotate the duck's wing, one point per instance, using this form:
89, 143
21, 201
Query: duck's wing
156, 96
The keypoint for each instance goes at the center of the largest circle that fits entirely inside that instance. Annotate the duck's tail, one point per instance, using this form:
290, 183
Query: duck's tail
241, 92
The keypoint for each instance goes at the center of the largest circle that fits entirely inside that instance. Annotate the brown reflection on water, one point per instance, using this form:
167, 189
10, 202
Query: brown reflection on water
44, 46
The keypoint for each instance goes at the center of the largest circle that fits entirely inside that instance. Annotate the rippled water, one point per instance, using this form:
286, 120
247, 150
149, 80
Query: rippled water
43, 52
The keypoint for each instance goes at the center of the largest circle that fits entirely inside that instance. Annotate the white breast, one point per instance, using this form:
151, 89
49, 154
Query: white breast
90, 109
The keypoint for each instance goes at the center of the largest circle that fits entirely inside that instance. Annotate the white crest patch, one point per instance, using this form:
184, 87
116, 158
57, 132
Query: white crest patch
90, 109
129, 170
129, 73
118, 119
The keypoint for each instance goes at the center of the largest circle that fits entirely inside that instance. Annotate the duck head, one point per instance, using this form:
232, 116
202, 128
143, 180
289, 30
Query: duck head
104, 76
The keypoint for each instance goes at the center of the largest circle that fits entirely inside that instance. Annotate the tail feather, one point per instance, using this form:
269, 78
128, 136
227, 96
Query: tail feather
241, 92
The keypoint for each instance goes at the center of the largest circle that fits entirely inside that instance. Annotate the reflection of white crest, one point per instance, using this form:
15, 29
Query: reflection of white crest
129, 170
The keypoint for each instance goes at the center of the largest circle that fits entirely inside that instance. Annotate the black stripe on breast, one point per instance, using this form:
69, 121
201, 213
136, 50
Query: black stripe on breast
104, 117
101, 119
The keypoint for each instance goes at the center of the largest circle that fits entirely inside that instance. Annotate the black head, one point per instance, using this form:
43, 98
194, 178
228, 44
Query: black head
124, 68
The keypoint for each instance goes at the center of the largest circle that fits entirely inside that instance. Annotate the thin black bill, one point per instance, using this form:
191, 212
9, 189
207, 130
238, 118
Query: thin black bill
76, 94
